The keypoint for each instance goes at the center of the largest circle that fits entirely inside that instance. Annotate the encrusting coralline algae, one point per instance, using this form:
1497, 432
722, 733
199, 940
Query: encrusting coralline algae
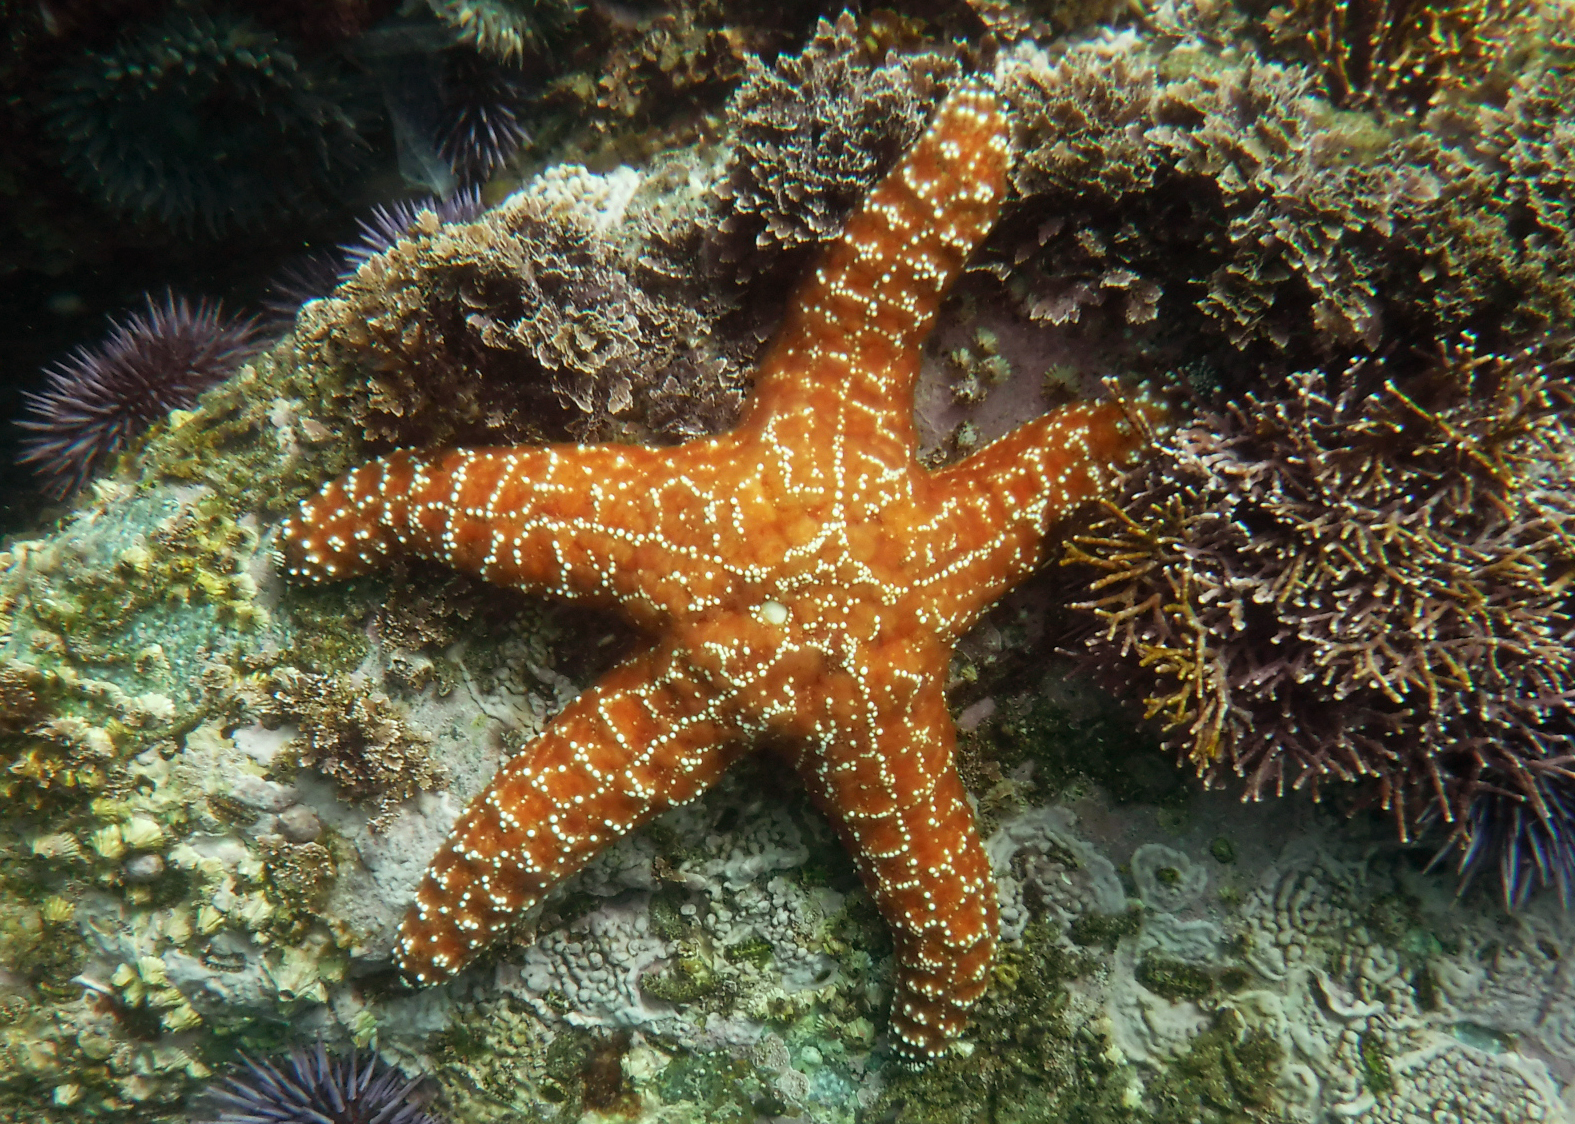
223, 788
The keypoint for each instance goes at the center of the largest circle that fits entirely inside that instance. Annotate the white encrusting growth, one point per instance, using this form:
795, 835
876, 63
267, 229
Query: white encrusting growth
802, 579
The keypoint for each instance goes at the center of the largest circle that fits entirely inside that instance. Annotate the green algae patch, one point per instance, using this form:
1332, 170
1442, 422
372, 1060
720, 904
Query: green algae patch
753, 950
1080, 741
666, 916
1376, 1074
1031, 1055
727, 1090
1105, 929
261, 440
493, 1061
160, 558
329, 623
688, 978
1227, 1076
1176, 980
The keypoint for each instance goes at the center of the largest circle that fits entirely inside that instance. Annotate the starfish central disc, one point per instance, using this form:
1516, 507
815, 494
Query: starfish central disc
802, 580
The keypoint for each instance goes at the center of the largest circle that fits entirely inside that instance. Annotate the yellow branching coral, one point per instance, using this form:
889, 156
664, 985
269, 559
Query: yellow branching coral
1363, 581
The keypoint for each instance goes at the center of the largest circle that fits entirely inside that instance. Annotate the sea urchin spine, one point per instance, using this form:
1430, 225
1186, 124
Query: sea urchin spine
347, 1089
102, 395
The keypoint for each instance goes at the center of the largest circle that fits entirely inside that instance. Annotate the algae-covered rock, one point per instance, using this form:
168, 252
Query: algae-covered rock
221, 789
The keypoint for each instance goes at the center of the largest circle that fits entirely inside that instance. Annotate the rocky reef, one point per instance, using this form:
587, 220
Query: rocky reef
222, 787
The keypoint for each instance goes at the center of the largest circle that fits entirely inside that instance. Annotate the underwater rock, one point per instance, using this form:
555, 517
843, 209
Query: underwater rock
221, 789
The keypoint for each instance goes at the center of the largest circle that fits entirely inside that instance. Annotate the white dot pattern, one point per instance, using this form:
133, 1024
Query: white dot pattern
802, 577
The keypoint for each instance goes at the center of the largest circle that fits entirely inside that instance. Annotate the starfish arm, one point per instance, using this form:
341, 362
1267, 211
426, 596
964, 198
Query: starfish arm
904, 816
859, 318
641, 741
599, 523
995, 507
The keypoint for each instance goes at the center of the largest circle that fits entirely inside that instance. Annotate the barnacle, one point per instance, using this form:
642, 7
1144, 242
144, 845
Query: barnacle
23, 694
56, 758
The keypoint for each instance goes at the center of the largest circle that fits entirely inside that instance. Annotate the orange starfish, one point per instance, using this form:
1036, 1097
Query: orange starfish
802, 579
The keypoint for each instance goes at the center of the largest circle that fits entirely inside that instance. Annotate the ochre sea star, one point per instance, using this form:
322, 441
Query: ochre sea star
802, 580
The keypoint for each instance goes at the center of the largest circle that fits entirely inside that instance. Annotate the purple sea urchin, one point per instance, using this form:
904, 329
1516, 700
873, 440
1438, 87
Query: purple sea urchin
482, 101
315, 274
1530, 841
311, 1087
309, 277
103, 394
199, 120
386, 225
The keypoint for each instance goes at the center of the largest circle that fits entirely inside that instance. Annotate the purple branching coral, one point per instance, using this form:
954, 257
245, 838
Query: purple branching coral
1364, 583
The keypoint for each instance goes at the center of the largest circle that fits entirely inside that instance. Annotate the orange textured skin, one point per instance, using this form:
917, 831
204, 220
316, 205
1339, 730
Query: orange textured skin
802, 578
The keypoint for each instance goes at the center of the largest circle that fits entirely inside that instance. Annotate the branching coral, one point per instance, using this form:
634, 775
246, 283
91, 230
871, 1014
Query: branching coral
1363, 582
816, 129
506, 29
1045, 19
1405, 50
1217, 195
356, 738
677, 65
554, 314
